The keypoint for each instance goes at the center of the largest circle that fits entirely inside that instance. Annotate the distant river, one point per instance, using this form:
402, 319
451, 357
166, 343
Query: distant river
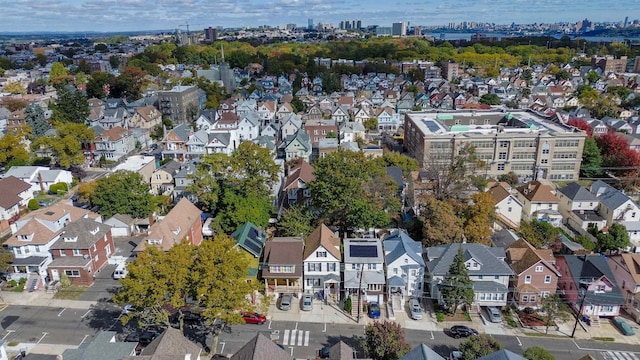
467, 36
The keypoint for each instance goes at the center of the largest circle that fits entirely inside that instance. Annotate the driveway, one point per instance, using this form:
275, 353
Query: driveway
104, 286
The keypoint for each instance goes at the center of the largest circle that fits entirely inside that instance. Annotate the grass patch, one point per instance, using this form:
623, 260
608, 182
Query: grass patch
13, 343
545, 335
599, 338
466, 315
73, 292
509, 318
440, 316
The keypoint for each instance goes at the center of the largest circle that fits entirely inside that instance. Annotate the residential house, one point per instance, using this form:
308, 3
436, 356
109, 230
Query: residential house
508, 209
221, 142
535, 274
321, 260
143, 165
294, 190
616, 206
404, 267
324, 148
267, 111
182, 223
162, 182
251, 239
39, 177
103, 347
14, 196
197, 145
182, 180
121, 225
174, 142
363, 277
81, 251
146, 117
504, 354
539, 202
340, 114
249, 126
626, 270
290, 125
579, 207
487, 269
283, 111
171, 344
320, 129
32, 238
351, 131
260, 347
588, 279
282, 269
114, 143
422, 352
296, 146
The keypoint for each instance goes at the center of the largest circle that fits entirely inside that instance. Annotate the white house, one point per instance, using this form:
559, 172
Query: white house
539, 202
14, 194
249, 126
579, 207
405, 266
321, 261
508, 207
40, 177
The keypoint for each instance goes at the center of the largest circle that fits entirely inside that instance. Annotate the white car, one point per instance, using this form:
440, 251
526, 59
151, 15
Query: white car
416, 310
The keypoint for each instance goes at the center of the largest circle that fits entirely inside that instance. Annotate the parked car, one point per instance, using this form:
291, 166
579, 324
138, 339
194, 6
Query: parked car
254, 318
455, 355
622, 325
460, 331
147, 337
324, 353
285, 302
416, 310
307, 303
374, 310
493, 314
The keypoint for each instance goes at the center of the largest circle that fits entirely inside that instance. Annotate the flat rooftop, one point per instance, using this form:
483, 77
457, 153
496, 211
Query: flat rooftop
135, 163
485, 122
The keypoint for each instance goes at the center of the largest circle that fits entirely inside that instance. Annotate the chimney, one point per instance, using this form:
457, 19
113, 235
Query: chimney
40, 181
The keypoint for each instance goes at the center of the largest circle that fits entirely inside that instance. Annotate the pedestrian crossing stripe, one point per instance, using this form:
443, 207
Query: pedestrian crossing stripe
619, 355
290, 336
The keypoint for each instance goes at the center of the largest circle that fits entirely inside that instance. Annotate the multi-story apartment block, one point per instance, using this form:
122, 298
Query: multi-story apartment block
530, 145
450, 70
610, 63
180, 104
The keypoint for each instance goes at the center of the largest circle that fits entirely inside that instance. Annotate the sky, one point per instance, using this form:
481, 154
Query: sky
134, 15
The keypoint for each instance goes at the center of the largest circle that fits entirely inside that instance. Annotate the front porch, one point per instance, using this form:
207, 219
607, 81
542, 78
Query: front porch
277, 286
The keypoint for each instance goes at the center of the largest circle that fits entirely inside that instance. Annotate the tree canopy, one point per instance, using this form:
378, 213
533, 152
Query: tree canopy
457, 288
71, 106
123, 192
478, 346
384, 341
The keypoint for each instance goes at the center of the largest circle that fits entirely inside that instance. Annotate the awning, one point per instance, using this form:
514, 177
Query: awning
29, 261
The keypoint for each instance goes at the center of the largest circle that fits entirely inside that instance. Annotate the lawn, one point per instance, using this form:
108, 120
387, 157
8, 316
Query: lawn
73, 292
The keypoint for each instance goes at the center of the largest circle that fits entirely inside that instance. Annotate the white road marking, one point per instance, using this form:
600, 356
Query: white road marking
83, 339
285, 339
306, 338
85, 314
432, 338
222, 348
300, 337
61, 311
8, 333
519, 343
43, 335
292, 340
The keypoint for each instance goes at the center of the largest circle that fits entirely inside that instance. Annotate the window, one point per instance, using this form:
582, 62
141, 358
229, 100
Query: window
547, 279
502, 156
77, 252
18, 251
527, 279
544, 161
497, 277
510, 209
544, 294
371, 266
532, 298
606, 308
539, 268
37, 248
504, 144
321, 254
72, 273
480, 277
500, 167
331, 267
314, 267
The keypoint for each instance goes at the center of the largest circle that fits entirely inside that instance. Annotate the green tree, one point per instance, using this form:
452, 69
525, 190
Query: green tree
510, 178
114, 61
6, 258
129, 83
34, 117
296, 220
538, 353
555, 310
384, 341
394, 158
123, 192
237, 208
298, 105
490, 99
592, 77
441, 225
617, 238
538, 233
71, 106
96, 84
479, 217
457, 288
33, 205
57, 70
591, 159
350, 191
66, 145
14, 88
12, 150
370, 124
478, 346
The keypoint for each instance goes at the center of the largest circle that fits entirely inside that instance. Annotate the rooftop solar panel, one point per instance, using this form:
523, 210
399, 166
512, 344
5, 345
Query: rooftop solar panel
253, 233
253, 247
431, 125
363, 250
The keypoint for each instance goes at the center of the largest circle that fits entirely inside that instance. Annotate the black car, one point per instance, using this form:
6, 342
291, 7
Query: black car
133, 337
460, 331
147, 337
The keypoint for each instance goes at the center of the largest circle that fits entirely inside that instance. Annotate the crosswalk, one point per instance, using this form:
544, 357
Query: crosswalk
296, 338
619, 355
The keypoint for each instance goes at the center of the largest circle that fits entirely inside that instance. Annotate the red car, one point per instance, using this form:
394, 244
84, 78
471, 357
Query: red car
254, 318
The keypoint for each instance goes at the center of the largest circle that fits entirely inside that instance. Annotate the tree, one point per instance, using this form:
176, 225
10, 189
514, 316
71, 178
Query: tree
452, 178
57, 70
85, 190
478, 346
441, 224
538, 353
591, 159
538, 233
617, 238
34, 117
296, 220
12, 150
490, 99
237, 208
6, 258
385, 341
457, 288
478, 219
66, 145
71, 106
350, 191
592, 77
510, 178
14, 88
129, 83
297, 105
13, 104
370, 124
123, 192
555, 310
114, 61
98, 84
394, 158
616, 153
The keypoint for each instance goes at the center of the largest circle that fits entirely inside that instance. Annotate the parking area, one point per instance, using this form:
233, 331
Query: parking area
104, 286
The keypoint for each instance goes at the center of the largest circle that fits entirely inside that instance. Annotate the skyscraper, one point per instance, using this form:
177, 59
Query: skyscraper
210, 34
310, 24
399, 29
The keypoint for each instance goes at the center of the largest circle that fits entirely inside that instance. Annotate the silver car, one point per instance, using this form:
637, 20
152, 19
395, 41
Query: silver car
416, 310
285, 302
307, 303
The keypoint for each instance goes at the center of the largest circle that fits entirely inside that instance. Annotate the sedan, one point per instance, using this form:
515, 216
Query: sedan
624, 328
254, 318
307, 303
374, 310
416, 310
459, 331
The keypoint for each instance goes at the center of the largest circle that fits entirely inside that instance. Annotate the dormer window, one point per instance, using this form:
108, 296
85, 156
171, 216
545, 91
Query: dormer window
154, 241
24, 237
177, 231
71, 239
95, 231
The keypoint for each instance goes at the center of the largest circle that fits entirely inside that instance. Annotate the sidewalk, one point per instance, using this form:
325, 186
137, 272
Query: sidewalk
42, 298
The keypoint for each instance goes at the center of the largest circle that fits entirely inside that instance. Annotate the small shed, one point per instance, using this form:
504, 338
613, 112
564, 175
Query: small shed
121, 225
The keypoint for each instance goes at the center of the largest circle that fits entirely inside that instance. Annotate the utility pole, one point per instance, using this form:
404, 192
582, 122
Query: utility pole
575, 326
360, 293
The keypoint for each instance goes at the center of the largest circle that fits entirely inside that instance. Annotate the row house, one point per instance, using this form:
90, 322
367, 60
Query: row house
290, 125
282, 269
33, 236
363, 277
626, 270
114, 143
580, 208
321, 260
404, 268
14, 196
82, 250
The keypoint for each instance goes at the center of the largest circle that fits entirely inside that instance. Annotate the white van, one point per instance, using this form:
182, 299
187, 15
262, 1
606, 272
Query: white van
120, 272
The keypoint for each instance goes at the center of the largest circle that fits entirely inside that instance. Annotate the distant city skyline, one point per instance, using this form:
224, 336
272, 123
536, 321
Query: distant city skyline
141, 15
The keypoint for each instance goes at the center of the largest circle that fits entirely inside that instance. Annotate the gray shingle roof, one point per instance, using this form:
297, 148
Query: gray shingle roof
401, 243
608, 196
260, 348
84, 231
439, 259
101, 348
503, 355
588, 268
576, 192
422, 352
